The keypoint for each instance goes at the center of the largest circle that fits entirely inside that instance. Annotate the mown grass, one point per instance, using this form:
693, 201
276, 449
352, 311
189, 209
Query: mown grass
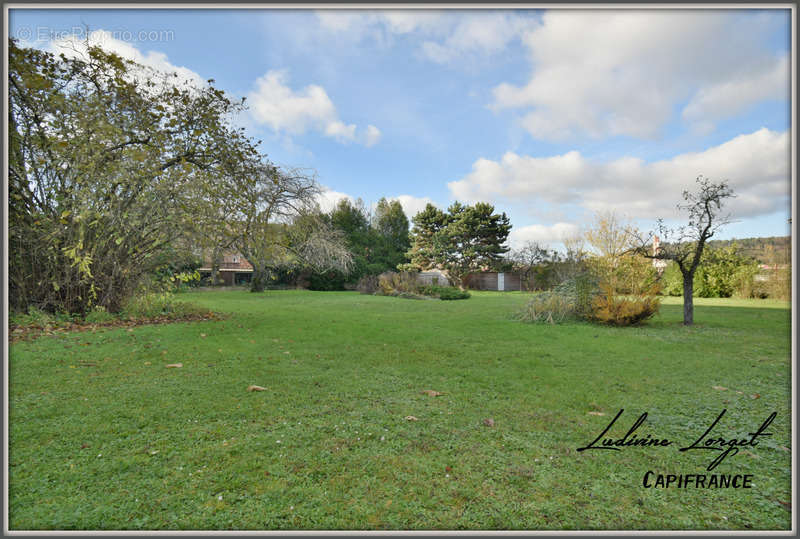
103, 436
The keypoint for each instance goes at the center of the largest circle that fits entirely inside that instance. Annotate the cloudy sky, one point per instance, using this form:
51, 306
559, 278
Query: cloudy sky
551, 115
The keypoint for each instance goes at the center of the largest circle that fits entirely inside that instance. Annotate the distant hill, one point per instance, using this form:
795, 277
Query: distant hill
762, 249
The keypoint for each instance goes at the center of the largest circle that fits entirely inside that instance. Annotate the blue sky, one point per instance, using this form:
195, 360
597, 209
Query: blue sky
550, 115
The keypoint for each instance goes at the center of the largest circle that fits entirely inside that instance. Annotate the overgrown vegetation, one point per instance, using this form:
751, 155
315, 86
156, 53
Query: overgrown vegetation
607, 283
552, 307
108, 161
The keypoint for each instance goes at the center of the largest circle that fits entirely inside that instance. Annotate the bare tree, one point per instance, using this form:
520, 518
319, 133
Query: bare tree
684, 245
526, 258
279, 221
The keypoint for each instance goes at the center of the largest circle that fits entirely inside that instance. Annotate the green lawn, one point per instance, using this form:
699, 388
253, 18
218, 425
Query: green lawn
103, 436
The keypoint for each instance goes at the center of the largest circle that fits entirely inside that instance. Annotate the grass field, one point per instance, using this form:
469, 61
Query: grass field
103, 436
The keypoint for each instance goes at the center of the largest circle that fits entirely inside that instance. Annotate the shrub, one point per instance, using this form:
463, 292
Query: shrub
331, 280
444, 292
163, 304
551, 307
34, 317
581, 289
391, 283
672, 280
98, 315
368, 284
613, 309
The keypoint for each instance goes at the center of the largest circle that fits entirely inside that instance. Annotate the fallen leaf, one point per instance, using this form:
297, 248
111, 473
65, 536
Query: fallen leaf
489, 422
147, 363
755, 396
175, 365
448, 469
411, 418
431, 392
256, 388
595, 413
749, 453
719, 388
202, 334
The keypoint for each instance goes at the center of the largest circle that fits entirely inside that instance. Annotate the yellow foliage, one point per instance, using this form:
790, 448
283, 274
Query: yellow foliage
610, 308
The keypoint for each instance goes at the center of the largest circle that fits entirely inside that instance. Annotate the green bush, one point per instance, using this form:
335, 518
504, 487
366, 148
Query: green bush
444, 292
159, 304
331, 280
722, 273
34, 317
98, 315
672, 280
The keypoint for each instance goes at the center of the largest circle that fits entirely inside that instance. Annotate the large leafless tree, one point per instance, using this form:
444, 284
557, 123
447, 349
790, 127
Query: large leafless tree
278, 220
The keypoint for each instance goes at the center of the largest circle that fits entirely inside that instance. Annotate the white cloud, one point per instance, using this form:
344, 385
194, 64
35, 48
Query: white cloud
448, 36
755, 164
274, 104
340, 131
476, 34
729, 97
372, 136
413, 205
361, 24
328, 199
75, 46
622, 72
543, 234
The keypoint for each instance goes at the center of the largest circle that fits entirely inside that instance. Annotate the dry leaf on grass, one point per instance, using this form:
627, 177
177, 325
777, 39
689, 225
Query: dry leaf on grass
719, 388
489, 422
411, 418
755, 396
256, 388
175, 365
595, 413
431, 393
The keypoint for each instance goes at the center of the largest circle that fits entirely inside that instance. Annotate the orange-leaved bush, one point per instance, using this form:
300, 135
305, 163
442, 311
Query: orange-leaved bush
610, 308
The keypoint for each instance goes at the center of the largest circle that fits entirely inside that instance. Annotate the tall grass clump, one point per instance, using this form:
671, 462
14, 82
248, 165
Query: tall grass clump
551, 307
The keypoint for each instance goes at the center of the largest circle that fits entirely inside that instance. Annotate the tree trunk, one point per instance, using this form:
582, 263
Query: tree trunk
215, 263
258, 283
688, 302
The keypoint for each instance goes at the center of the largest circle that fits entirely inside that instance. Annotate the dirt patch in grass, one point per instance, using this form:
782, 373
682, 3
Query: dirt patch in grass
30, 332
